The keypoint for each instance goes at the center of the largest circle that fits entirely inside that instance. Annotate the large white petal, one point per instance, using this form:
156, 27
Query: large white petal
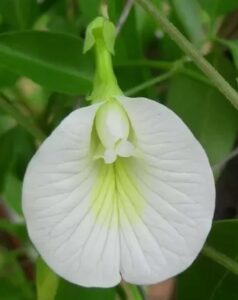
144, 217
80, 243
171, 173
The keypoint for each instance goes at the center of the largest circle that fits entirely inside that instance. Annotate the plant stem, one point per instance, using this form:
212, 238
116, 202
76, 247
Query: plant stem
222, 163
22, 120
135, 292
164, 65
121, 293
157, 64
188, 48
149, 83
195, 75
124, 15
220, 258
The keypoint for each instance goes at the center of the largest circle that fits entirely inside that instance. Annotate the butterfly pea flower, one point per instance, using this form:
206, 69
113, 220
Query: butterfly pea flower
121, 189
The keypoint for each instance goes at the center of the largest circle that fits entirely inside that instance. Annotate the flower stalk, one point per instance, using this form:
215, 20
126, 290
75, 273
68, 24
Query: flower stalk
101, 35
230, 264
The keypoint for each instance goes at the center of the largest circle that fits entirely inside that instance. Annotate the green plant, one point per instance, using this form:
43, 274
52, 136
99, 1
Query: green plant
181, 53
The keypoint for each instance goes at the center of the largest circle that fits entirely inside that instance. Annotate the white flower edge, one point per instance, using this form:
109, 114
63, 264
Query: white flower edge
144, 220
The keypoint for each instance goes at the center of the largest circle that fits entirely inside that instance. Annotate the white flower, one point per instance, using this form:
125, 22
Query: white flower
120, 189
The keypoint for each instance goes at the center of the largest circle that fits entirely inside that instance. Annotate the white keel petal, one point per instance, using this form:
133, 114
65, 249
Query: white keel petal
57, 200
173, 176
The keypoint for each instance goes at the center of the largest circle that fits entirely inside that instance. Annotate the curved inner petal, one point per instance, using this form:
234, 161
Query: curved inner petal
125, 148
112, 128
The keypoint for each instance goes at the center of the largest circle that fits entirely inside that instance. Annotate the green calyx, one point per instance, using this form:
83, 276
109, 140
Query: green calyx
101, 35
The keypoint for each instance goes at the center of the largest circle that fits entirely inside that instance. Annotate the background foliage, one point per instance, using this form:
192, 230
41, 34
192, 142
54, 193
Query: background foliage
44, 76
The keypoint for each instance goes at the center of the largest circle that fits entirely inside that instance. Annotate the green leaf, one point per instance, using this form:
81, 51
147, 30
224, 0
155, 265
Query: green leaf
15, 229
219, 7
135, 292
6, 155
46, 5
31, 95
46, 281
17, 148
7, 78
53, 60
6, 123
12, 193
68, 290
8, 291
128, 47
207, 112
166, 47
57, 23
18, 13
145, 25
233, 46
190, 15
89, 8
14, 284
206, 279
23, 150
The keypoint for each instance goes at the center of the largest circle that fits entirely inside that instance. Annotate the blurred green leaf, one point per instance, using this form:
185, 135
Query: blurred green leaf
16, 229
9, 291
6, 123
12, 193
70, 291
58, 24
167, 48
59, 106
7, 78
135, 292
233, 46
6, 155
207, 113
46, 281
53, 60
128, 47
206, 279
90, 9
145, 25
62, 16
219, 7
190, 15
32, 96
14, 284
23, 150
18, 13
17, 147
46, 4
121, 292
